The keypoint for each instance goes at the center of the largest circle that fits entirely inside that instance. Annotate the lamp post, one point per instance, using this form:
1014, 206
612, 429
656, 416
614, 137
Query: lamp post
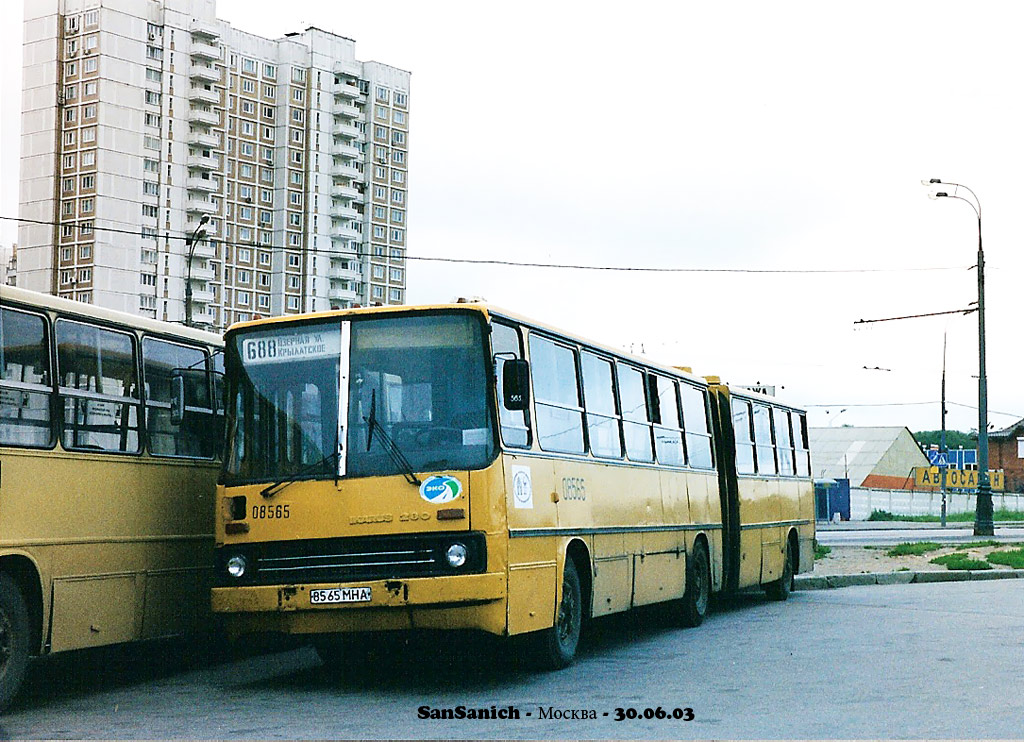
983, 525
190, 242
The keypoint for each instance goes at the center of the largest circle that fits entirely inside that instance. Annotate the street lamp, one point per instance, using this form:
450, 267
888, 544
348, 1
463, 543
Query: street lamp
190, 243
983, 525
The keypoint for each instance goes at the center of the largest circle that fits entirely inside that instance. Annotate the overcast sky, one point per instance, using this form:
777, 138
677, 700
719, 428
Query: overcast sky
782, 136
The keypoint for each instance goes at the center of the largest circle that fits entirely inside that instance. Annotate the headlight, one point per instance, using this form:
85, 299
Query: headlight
456, 555
236, 566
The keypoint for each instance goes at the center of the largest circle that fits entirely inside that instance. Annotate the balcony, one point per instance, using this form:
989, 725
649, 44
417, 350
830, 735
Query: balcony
206, 95
349, 151
202, 273
344, 274
204, 139
346, 212
344, 191
208, 185
347, 89
204, 29
202, 296
204, 249
203, 162
344, 231
203, 116
347, 110
344, 291
204, 72
204, 50
346, 130
201, 206
347, 170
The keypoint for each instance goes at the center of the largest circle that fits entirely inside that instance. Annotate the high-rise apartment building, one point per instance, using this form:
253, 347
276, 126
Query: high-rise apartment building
145, 122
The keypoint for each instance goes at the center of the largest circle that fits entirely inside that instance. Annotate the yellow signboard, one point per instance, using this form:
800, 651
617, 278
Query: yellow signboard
961, 479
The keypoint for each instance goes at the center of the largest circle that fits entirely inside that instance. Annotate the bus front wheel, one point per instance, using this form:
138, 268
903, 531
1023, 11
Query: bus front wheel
697, 596
555, 648
14, 639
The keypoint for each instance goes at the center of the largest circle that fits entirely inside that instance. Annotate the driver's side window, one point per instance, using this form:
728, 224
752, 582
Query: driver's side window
505, 345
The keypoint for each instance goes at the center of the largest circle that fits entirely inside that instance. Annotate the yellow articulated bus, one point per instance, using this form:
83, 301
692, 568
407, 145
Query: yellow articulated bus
460, 467
105, 502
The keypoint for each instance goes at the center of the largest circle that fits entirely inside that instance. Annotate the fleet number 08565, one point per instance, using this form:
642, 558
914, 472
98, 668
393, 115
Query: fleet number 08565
270, 512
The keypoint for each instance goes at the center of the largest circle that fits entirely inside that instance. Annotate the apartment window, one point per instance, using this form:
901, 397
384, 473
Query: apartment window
265, 218
298, 95
90, 43
293, 282
246, 149
153, 119
149, 210
66, 276
69, 162
70, 69
245, 234
270, 71
89, 89
380, 212
296, 157
294, 240
382, 112
398, 235
297, 115
242, 277
154, 52
381, 132
395, 295
398, 157
398, 216
399, 116
264, 279
70, 92
248, 86
266, 196
89, 112
248, 65
295, 198
85, 252
378, 292
85, 228
264, 301
397, 275
295, 220
400, 99
398, 137
151, 142
91, 18
72, 47
243, 298
379, 232
296, 136
150, 166
245, 192
268, 156
68, 185
380, 192
89, 135
152, 98
84, 275
248, 128
245, 212
398, 176
269, 91
397, 196
248, 107
298, 75
65, 254
265, 260
293, 303
245, 170
383, 94
147, 279
268, 112
293, 260
153, 75
150, 188
88, 181
244, 255
89, 65
86, 205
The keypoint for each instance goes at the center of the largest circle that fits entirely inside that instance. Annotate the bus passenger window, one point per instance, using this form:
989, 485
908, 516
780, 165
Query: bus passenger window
634, 414
763, 440
197, 435
695, 422
668, 438
744, 437
803, 455
24, 380
515, 430
783, 441
101, 392
599, 400
556, 396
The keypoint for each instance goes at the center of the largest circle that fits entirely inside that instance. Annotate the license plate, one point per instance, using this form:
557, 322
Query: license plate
340, 595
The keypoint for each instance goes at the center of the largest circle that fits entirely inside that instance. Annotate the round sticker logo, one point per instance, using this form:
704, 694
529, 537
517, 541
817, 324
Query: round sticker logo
440, 490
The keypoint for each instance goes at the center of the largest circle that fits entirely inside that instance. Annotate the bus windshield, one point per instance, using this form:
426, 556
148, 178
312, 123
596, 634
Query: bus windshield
420, 379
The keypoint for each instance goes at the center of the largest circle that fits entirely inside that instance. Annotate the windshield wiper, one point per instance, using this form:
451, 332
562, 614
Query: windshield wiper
273, 489
388, 444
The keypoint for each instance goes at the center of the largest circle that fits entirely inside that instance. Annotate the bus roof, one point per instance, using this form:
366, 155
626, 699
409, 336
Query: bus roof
90, 311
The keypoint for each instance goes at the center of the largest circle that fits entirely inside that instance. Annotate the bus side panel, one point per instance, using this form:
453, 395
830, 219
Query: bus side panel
753, 512
705, 509
773, 547
90, 611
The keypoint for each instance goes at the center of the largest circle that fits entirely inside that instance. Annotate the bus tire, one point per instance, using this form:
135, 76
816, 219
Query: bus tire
781, 588
697, 597
555, 648
15, 630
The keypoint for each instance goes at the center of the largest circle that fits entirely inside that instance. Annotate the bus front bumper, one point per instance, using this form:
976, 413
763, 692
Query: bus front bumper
455, 602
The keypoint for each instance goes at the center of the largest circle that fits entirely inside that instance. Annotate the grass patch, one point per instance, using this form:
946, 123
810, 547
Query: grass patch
1012, 558
821, 551
958, 560
916, 548
998, 515
978, 545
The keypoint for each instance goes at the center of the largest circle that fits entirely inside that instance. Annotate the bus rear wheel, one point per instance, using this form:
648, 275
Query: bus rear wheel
555, 648
14, 639
781, 588
696, 598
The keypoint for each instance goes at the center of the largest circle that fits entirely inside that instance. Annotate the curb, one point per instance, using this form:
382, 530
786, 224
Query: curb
903, 578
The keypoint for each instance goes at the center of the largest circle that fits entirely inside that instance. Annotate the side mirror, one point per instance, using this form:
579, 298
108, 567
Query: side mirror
515, 384
177, 397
